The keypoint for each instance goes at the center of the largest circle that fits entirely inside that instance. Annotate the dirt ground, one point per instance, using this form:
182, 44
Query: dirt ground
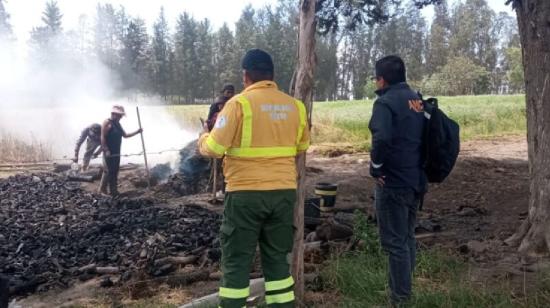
476, 209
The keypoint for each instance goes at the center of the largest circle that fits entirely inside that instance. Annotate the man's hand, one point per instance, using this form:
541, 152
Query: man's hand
107, 153
380, 180
75, 159
139, 131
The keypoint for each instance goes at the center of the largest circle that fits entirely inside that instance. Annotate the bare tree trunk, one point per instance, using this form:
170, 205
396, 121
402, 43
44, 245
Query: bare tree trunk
303, 90
533, 236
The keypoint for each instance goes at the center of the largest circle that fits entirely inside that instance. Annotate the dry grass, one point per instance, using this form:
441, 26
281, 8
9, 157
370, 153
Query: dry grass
14, 150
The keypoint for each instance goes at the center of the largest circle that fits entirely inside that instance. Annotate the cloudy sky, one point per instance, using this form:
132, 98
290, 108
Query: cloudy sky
26, 14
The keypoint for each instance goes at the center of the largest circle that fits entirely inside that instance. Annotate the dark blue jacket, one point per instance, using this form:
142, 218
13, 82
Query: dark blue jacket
397, 127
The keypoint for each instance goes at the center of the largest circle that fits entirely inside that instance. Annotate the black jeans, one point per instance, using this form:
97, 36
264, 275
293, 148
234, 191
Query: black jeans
396, 215
111, 166
4, 292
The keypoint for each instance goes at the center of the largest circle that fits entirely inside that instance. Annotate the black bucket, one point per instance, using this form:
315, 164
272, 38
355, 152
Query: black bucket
312, 212
327, 193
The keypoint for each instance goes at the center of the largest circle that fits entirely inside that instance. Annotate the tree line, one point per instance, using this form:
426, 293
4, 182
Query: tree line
465, 49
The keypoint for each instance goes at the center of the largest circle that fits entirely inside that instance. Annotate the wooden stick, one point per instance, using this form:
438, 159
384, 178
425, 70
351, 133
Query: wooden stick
215, 178
144, 152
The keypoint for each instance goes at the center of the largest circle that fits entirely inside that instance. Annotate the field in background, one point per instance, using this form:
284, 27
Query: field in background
336, 125
345, 123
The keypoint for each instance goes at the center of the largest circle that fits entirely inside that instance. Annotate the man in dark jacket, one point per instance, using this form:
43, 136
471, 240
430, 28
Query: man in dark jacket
92, 136
227, 92
397, 126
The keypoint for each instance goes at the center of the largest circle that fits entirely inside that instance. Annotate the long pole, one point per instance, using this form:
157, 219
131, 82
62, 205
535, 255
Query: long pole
215, 177
143, 146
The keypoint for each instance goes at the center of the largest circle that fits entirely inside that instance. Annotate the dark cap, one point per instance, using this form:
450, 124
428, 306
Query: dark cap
257, 60
228, 87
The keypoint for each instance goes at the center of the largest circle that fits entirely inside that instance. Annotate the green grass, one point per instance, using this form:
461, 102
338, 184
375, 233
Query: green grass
441, 280
346, 122
478, 116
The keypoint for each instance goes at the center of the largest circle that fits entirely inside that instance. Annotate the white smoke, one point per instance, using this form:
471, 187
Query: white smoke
51, 103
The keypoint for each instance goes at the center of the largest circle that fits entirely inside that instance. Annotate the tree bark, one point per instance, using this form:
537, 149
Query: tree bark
303, 90
533, 236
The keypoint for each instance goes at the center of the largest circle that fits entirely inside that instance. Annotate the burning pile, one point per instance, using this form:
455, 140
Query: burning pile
52, 232
192, 174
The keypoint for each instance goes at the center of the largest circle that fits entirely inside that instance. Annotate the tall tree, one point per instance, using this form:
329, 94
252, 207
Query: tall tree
135, 54
5, 26
46, 41
533, 235
225, 58
246, 30
106, 41
52, 17
185, 37
438, 40
472, 33
204, 65
278, 37
325, 78
161, 54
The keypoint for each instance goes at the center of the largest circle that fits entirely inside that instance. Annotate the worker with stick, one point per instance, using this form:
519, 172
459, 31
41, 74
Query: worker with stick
92, 136
111, 141
227, 93
260, 132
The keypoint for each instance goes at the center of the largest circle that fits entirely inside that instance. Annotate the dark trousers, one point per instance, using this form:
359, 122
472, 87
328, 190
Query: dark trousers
396, 215
4, 292
111, 166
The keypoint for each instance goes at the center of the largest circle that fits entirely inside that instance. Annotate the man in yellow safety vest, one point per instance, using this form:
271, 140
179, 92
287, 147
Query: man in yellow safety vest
260, 131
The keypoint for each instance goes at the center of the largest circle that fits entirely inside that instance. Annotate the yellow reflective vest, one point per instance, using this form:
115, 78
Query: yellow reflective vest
259, 131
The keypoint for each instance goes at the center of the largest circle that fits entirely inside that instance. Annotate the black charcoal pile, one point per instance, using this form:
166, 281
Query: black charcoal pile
53, 233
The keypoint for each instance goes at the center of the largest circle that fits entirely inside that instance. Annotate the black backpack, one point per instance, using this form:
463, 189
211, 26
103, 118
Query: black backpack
441, 142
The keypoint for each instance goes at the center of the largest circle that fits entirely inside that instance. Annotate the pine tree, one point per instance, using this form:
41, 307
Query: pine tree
6, 32
185, 57
106, 41
46, 40
161, 54
225, 58
135, 56
204, 65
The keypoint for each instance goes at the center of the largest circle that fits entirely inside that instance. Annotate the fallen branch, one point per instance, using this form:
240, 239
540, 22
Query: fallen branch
176, 260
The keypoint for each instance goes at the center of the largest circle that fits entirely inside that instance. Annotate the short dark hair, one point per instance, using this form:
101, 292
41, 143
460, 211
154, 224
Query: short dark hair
256, 75
257, 60
228, 87
392, 69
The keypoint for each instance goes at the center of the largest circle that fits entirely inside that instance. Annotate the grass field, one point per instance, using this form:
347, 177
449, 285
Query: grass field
338, 125
345, 123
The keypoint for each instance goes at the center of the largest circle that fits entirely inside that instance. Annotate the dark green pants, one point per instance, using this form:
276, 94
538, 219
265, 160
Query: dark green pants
251, 218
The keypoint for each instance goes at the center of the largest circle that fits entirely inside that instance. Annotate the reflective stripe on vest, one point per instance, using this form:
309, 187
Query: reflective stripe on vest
246, 150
